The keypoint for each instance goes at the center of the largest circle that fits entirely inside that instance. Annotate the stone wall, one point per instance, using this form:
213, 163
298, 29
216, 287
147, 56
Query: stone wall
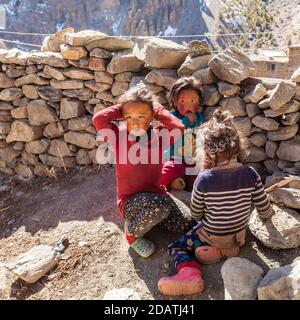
47, 98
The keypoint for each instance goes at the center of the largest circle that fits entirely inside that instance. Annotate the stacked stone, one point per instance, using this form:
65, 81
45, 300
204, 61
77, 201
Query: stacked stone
48, 98
266, 112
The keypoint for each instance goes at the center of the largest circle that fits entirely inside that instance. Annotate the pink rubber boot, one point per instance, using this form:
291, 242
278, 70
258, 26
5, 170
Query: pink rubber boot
209, 254
187, 281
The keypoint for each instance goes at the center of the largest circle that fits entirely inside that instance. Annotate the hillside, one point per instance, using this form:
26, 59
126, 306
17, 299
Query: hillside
270, 22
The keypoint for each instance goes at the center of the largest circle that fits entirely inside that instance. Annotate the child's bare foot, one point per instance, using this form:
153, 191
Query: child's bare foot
178, 184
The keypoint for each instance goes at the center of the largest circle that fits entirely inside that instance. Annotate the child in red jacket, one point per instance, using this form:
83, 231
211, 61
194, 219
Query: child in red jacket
142, 200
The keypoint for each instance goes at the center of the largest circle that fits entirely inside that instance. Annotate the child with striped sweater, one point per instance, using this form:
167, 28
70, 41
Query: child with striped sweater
222, 198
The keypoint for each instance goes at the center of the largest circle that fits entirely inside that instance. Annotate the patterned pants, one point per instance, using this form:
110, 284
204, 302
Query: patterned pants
145, 210
182, 250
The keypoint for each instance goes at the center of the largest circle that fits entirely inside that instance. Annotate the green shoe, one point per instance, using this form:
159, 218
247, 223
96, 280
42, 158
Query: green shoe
143, 247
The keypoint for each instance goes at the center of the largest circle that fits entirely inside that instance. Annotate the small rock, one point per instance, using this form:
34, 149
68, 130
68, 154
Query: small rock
281, 231
97, 64
205, 76
121, 294
228, 89
37, 147
49, 93
2, 277
296, 75
281, 283
271, 165
258, 139
5, 81
83, 140
282, 94
119, 88
162, 77
241, 278
160, 53
124, 61
79, 74
256, 94
271, 148
54, 73
73, 53
101, 53
59, 148
265, 123
105, 77
71, 108
283, 133
33, 264
289, 150
210, 95
39, 113
290, 107
290, 119
66, 84
286, 197
235, 105
68, 162
82, 157
97, 86
191, 65
30, 91
53, 130
197, 48
231, 65
21, 130
53, 59
11, 94
243, 126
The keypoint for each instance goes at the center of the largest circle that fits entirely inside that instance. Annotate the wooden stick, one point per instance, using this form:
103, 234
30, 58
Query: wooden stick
51, 172
5, 208
280, 184
62, 160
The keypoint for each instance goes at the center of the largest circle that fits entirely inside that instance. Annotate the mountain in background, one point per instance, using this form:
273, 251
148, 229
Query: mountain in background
272, 23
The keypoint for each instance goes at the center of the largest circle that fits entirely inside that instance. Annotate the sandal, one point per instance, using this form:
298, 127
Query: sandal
143, 247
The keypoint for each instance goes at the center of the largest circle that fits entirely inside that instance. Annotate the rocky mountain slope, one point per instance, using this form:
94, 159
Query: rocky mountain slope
270, 22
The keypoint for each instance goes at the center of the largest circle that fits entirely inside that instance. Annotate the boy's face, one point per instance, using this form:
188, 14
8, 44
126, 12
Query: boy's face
188, 101
138, 116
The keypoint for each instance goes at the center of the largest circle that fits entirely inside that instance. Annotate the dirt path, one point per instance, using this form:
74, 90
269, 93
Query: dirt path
83, 204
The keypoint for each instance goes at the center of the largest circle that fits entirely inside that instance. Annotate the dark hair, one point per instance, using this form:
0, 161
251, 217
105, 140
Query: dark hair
138, 93
221, 136
184, 83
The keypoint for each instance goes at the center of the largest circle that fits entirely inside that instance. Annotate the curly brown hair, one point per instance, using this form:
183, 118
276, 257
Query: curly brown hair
138, 93
220, 136
184, 83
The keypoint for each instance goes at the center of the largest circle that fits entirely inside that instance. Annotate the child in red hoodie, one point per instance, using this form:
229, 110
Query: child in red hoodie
142, 200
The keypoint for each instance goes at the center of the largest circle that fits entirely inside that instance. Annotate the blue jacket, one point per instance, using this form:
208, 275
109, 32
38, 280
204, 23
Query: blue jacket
173, 151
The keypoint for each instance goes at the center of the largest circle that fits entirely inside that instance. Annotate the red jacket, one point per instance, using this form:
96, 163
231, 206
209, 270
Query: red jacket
133, 178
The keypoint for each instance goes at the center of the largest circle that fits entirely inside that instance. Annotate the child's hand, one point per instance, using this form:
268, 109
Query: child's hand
192, 117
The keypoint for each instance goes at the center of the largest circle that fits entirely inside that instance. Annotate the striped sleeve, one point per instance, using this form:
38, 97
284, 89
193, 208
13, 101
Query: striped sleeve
197, 204
261, 200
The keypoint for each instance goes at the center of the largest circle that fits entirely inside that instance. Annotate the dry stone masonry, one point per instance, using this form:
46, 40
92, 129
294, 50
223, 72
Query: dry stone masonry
48, 98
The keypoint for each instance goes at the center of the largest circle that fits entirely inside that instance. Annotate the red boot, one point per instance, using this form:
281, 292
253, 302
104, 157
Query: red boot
209, 254
187, 281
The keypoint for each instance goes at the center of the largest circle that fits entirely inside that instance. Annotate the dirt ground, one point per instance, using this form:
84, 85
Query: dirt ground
82, 204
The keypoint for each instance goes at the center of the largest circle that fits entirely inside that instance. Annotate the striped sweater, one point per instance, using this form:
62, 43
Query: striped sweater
222, 199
